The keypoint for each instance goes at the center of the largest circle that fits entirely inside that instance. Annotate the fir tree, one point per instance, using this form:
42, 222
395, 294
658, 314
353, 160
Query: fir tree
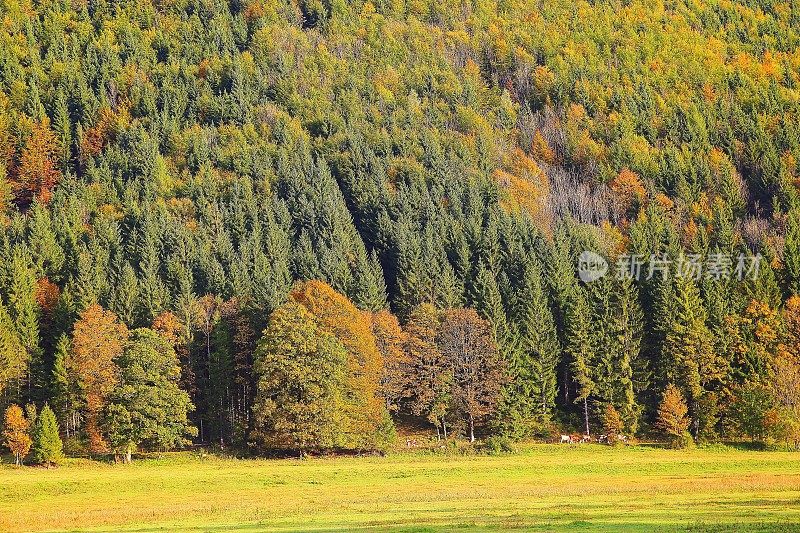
47, 446
693, 364
528, 398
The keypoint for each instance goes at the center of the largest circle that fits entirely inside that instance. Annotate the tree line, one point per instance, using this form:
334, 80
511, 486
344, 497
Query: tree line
202, 201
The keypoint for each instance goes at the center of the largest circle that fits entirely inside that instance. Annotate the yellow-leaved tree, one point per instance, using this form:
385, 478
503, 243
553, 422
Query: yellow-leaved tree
16, 433
97, 339
367, 424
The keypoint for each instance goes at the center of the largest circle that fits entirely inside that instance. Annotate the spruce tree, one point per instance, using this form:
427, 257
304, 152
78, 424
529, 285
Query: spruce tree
12, 356
693, 364
579, 349
24, 313
47, 446
529, 396
486, 300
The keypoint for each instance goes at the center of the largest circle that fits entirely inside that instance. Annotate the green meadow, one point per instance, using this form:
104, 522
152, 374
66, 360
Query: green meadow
539, 488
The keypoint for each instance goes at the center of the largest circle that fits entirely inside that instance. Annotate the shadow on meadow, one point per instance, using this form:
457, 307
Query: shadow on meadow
501, 525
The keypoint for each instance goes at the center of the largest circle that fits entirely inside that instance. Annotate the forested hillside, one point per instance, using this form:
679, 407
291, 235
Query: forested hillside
283, 224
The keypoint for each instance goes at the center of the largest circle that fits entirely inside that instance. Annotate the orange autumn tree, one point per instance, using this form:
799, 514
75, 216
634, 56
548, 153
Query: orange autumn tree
672, 419
396, 382
97, 339
17, 433
540, 149
368, 424
37, 174
169, 327
628, 190
791, 319
47, 294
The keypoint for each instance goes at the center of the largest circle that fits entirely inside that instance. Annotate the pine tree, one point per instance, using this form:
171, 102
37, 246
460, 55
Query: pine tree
62, 391
12, 356
124, 297
47, 446
628, 325
369, 292
486, 300
791, 253
24, 312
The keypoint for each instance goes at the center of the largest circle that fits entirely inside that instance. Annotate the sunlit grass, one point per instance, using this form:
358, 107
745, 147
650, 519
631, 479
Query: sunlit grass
543, 487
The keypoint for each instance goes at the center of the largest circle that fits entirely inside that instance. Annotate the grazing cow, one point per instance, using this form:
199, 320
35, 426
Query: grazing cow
622, 438
566, 439
411, 443
602, 438
576, 439
586, 438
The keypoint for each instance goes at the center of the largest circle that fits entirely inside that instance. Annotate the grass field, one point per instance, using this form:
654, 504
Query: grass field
543, 487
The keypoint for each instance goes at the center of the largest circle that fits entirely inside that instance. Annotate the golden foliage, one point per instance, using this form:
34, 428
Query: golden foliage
96, 137
37, 174
97, 339
390, 340
628, 190
16, 433
340, 317
527, 188
540, 150
47, 294
664, 201
169, 327
672, 412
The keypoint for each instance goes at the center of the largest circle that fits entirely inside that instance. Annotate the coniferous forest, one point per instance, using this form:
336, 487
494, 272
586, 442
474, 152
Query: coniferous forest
299, 225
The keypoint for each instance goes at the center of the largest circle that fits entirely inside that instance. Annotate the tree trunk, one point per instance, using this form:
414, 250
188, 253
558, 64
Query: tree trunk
444, 428
586, 414
128, 453
438, 434
471, 428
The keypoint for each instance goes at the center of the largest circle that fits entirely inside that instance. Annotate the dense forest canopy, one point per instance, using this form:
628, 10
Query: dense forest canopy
431, 171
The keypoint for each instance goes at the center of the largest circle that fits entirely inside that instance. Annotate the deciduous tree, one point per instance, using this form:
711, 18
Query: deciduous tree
367, 422
147, 407
612, 424
16, 433
37, 174
98, 339
467, 345
301, 379
672, 411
